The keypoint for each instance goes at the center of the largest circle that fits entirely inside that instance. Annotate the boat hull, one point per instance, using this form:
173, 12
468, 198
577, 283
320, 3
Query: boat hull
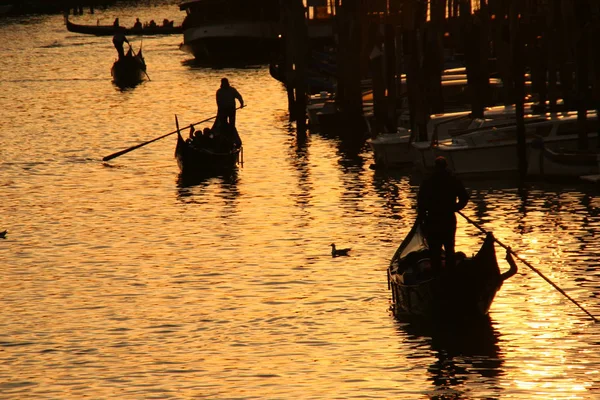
393, 150
465, 290
129, 71
500, 158
196, 161
240, 43
110, 30
544, 162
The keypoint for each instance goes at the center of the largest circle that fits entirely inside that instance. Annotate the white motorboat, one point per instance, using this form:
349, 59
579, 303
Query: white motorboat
315, 105
493, 150
400, 149
231, 31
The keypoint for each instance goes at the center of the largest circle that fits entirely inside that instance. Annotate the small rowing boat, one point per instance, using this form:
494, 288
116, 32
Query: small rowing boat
213, 151
463, 290
129, 70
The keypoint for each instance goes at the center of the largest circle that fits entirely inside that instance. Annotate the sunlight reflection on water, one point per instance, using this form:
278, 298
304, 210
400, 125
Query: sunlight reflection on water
122, 280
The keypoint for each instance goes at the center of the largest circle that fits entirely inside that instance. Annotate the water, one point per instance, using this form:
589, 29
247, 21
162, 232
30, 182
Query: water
120, 280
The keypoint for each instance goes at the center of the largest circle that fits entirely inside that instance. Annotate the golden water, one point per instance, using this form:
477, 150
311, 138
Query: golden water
120, 281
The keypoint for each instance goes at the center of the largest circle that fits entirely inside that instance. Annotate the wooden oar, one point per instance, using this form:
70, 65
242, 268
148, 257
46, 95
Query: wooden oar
137, 146
529, 265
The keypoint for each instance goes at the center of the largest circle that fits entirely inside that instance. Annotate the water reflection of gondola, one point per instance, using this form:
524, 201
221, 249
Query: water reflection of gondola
226, 178
463, 349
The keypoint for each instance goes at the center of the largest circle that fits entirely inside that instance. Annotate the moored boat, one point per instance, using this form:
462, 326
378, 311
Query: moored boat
129, 70
110, 30
545, 162
231, 31
214, 152
464, 290
492, 150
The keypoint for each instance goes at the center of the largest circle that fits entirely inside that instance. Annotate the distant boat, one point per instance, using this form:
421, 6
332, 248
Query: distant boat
208, 155
109, 30
231, 31
130, 70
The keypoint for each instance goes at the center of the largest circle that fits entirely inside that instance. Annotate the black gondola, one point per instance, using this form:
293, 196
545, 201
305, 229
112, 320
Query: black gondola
110, 30
129, 70
464, 290
206, 154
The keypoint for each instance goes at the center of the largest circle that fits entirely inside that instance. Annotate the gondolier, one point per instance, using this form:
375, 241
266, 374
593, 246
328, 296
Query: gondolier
118, 40
440, 196
226, 96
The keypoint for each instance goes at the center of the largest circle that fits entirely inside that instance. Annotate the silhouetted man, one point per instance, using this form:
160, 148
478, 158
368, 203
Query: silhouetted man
440, 196
118, 40
226, 96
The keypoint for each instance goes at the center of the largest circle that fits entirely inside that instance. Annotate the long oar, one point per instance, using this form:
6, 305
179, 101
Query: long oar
530, 266
137, 146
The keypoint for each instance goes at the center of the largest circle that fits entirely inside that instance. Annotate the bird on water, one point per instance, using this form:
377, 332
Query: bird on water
338, 252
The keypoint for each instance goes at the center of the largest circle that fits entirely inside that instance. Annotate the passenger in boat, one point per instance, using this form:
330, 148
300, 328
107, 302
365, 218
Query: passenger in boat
226, 96
152, 24
116, 22
440, 196
138, 24
191, 137
118, 40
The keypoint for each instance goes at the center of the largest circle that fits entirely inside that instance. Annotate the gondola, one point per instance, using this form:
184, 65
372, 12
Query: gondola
465, 290
110, 30
219, 151
129, 70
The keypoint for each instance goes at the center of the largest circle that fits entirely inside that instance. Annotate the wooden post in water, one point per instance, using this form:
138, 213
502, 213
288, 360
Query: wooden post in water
502, 48
376, 64
551, 38
518, 73
582, 12
296, 48
390, 76
595, 69
349, 96
564, 47
434, 58
412, 38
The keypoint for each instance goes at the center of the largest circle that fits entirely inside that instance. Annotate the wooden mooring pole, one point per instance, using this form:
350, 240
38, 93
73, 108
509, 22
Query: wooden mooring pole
296, 54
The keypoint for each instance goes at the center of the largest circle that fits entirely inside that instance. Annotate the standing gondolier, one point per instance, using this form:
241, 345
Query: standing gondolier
440, 196
226, 96
118, 40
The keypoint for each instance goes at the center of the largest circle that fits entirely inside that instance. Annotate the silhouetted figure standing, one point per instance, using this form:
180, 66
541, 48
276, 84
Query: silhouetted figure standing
118, 40
440, 196
226, 96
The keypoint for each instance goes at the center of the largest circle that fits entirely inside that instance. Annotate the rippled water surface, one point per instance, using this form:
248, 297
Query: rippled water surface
120, 280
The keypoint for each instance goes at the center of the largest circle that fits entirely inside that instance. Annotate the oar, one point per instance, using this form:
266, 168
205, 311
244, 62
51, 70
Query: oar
137, 146
529, 265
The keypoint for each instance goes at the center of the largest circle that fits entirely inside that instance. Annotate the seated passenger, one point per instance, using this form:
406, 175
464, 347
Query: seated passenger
138, 24
191, 135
